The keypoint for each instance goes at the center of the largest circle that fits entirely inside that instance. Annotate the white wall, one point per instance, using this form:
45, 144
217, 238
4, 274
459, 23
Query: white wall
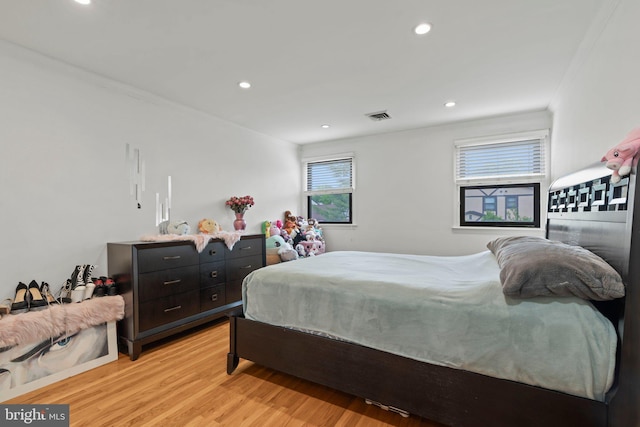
63, 174
404, 199
600, 102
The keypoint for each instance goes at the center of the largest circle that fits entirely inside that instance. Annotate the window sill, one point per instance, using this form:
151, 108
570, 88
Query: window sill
338, 226
505, 230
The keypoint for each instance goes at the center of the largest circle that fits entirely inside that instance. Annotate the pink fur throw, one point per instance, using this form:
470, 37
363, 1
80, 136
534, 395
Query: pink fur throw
199, 240
59, 319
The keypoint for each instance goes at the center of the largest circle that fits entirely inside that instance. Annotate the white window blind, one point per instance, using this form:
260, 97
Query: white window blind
330, 176
525, 158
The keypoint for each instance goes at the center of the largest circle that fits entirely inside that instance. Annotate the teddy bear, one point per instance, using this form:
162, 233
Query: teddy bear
290, 224
208, 226
623, 156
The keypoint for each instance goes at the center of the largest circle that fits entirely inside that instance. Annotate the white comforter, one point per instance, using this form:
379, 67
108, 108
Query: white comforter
448, 311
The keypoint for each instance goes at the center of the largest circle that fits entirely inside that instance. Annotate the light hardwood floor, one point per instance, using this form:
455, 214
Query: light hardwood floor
182, 381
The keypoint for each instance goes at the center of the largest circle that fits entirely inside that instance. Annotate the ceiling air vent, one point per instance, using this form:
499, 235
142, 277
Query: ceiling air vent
380, 115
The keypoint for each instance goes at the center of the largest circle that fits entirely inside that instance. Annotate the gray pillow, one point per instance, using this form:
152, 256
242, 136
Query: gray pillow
533, 266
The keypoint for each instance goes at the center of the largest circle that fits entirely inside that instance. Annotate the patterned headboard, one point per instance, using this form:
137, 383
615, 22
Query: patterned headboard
585, 208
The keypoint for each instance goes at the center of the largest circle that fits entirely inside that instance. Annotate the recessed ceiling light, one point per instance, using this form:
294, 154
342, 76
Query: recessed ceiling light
422, 28
85, 2
450, 104
244, 85
325, 126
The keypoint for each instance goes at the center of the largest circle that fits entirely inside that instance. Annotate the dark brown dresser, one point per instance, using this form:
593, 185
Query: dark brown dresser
169, 287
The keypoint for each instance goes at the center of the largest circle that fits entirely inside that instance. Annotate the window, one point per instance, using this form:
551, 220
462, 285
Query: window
329, 190
498, 180
509, 205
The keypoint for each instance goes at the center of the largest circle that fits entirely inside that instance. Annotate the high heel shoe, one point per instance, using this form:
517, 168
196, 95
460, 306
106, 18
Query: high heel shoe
21, 301
36, 300
64, 295
45, 290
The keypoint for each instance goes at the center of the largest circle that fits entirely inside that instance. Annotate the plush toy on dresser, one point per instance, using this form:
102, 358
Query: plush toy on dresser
174, 227
208, 226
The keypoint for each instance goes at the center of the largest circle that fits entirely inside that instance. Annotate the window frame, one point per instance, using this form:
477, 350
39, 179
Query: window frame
525, 179
350, 190
535, 223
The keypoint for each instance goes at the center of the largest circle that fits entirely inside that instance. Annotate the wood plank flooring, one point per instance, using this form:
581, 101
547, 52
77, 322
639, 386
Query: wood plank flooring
182, 381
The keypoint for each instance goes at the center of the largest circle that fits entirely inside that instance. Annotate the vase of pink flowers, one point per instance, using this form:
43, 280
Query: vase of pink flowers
239, 205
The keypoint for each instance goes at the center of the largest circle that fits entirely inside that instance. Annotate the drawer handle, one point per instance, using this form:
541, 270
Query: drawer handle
212, 252
245, 248
246, 267
214, 297
214, 274
166, 258
177, 307
172, 282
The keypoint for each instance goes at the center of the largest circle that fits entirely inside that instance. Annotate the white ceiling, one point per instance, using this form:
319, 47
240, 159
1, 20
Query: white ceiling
317, 62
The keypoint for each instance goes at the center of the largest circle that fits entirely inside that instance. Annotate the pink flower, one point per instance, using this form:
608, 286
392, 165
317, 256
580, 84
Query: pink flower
240, 204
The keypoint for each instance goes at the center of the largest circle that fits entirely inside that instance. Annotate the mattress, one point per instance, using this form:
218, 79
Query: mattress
448, 311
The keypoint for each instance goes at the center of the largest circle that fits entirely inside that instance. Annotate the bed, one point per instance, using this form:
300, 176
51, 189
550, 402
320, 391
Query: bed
569, 360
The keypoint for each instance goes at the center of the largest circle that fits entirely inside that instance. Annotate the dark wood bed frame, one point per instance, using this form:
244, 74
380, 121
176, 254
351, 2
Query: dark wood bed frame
584, 209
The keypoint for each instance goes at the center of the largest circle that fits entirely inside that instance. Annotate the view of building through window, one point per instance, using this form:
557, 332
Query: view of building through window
500, 204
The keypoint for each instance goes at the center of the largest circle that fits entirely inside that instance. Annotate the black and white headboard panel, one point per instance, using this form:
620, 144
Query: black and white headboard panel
585, 208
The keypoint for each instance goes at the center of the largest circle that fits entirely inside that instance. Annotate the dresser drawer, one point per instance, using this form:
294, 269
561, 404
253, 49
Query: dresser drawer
246, 247
165, 310
237, 269
159, 284
212, 297
154, 259
213, 252
212, 274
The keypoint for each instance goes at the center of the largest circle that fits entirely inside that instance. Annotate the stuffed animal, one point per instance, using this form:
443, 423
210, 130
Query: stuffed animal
286, 236
274, 230
302, 223
301, 250
623, 156
274, 242
277, 245
178, 227
266, 229
208, 226
290, 224
273, 245
287, 253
